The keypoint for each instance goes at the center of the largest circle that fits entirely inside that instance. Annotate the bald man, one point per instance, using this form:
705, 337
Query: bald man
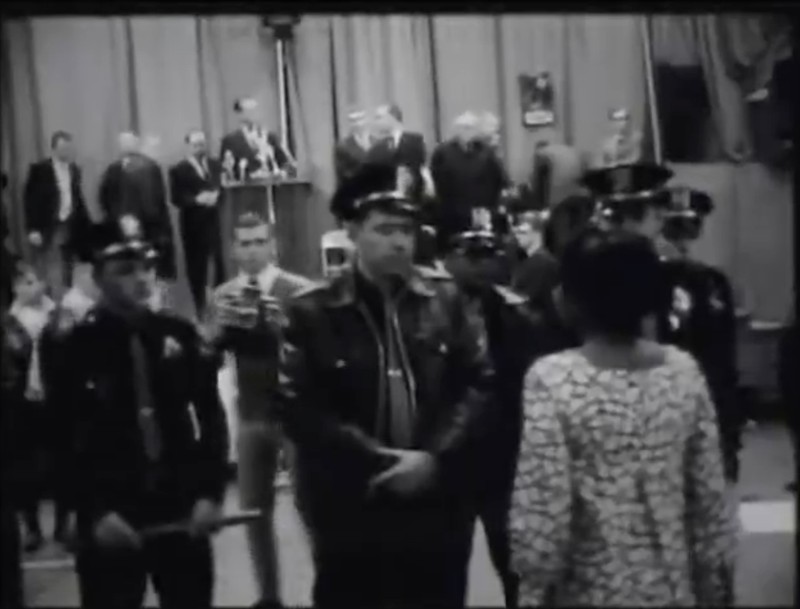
467, 174
134, 185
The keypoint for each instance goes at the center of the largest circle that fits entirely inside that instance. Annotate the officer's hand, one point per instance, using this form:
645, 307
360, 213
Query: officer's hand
413, 472
205, 518
35, 239
113, 532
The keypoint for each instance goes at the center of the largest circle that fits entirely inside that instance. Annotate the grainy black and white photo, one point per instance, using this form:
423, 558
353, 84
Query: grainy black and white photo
398, 310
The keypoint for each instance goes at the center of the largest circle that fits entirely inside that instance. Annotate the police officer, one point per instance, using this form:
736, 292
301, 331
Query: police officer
148, 440
705, 322
697, 312
384, 391
476, 262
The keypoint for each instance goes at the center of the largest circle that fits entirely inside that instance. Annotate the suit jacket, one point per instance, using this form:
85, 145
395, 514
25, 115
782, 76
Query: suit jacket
348, 155
236, 142
410, 150
136, 186
43, 202
536, 276
186, 182
257, 349
465, 179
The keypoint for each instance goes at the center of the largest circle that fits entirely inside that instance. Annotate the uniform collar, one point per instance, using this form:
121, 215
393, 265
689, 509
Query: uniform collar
343, 288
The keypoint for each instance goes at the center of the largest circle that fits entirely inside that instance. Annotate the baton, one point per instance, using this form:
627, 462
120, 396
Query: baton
170, 528
182, 526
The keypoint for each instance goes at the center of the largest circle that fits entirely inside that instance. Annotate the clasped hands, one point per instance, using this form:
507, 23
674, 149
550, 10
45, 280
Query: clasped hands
412, 472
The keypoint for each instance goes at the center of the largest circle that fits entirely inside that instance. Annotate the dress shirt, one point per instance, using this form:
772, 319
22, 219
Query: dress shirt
266, 278
64, 180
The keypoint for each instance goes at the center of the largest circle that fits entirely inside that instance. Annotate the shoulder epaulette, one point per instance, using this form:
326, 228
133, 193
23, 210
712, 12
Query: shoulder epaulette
431, 272
510, 297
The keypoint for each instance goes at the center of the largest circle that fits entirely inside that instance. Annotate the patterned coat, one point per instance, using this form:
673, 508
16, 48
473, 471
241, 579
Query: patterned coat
619, 497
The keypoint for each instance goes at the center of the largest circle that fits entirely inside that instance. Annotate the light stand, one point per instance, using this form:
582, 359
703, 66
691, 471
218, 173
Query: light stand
282, 27
647, 43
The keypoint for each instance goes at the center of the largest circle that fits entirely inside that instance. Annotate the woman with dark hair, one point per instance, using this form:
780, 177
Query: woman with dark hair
619, 497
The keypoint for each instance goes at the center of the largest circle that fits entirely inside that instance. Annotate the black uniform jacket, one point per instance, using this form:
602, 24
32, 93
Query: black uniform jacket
698, 315
514, 343
109, 467
332, 386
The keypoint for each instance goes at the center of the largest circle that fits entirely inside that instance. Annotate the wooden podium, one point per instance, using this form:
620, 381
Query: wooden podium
284, 202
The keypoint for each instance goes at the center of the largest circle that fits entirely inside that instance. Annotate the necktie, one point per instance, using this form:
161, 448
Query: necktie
151, 435
401, 407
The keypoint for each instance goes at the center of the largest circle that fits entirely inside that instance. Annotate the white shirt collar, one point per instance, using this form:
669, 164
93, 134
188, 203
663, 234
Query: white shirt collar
266, 278
396, 137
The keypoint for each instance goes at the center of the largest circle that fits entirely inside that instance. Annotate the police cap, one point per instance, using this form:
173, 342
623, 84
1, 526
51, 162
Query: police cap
631, 183
481, 239
118, 239
688, 203
383, 186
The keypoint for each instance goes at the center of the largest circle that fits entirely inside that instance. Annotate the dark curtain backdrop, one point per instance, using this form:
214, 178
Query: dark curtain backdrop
164, 75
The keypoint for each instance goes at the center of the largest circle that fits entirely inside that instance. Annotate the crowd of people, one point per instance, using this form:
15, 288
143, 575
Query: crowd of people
561, 371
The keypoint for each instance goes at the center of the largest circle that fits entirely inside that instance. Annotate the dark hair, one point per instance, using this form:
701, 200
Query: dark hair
567, 219
395, 111
188, 138
614, 280
239, 103
249, 219
58, 136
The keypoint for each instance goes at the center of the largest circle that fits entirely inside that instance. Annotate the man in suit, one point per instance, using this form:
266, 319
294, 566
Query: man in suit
394, 143
246, 319
134, 185
57, 219
352, 151
195, 187
537, 273
467, 175
251, 149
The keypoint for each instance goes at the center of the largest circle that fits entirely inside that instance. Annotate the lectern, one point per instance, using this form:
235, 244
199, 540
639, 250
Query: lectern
285, 203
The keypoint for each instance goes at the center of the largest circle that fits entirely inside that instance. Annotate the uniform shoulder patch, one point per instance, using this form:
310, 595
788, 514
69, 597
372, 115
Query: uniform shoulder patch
509, 296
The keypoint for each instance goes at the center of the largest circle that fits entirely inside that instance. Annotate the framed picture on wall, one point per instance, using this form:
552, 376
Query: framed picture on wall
536, 95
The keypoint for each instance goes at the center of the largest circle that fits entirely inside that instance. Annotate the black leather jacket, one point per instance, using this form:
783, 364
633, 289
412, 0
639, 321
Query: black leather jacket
332, 385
